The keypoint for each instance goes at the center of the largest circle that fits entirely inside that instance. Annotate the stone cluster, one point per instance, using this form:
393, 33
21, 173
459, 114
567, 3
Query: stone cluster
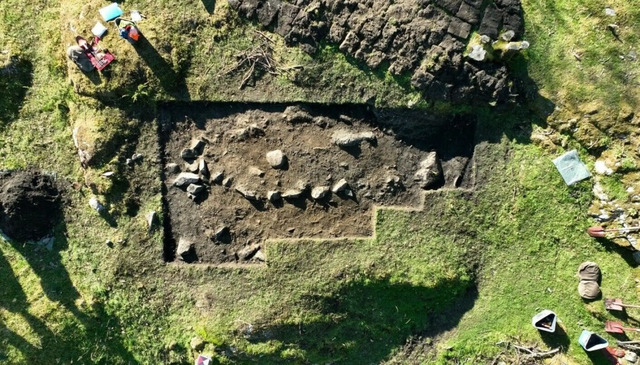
425, 39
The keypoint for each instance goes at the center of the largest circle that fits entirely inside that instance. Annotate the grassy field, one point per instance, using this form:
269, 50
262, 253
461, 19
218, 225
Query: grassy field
451, 284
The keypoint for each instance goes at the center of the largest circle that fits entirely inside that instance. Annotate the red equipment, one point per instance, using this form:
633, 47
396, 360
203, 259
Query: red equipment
99, 57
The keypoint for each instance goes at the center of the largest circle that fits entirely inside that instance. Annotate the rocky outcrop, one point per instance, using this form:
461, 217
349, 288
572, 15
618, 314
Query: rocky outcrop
424, 39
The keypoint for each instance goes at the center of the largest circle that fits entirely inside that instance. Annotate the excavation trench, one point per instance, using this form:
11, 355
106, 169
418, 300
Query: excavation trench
228, 210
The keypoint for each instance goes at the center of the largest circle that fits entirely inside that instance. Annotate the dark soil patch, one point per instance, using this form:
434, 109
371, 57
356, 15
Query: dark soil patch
237, 138
30, 204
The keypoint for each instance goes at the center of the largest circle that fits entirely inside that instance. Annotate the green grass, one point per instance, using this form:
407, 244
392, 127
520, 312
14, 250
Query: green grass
461, 276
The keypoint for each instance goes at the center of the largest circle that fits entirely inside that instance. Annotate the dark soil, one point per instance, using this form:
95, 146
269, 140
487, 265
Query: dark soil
30, 204
238, 138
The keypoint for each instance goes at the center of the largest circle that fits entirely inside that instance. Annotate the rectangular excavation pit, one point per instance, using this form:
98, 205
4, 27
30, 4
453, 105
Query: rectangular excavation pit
224, 212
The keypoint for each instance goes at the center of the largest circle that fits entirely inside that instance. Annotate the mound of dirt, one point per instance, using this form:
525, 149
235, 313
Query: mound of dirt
30, 204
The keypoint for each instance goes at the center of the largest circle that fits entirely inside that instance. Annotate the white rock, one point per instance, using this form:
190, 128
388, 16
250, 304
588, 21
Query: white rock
96, 205
277, 159
478, 53
345, 138
609, 12
601, 168
186, 178
340, 186
320, 192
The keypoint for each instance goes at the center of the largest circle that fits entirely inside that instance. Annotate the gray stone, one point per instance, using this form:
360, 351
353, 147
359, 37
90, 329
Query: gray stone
260, 256
96, 205
195, 189
47, 242
296, 114
151, 217
197, 146
137, 157
191, 167
227, 182
320, 192
478, 53
293, 194
344, 138
185, 247
184, 179
172, 168
277, 159
256, 171
203, 169
340, 186
459, 28
217, 177
222, 233
248, 252
429, 171
274, 196
508, 35
187, 154
247, 194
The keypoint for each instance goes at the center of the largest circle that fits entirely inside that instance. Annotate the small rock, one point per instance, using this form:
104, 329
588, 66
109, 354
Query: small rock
191, 167
260, 256
227, 182
296, 114
429, 171
222, 234
172, 168
274, 196
256, 171
478, 53
96, 205
340, 186
184, 249
185, 179
344, 138
344, 165
303, 185
47, 242
291, 229
187, 154
128, 162
292, 194
137, 157
217, 177
247, 252
277, 159
151, 217
601, 168
484, 39
108, 174
202, 168
320, 192
109, 243
247, 194
195, 189
609, 12
197, 146
508, 35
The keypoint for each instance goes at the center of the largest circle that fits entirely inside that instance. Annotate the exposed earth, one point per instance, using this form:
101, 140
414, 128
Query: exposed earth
30, 204
226, 195
423, 40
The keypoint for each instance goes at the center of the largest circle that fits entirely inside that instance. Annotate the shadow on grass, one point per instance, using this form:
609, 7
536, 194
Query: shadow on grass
89, 336
209, 5
625, 253
171, 81
559, 338
16, 78
365, 321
